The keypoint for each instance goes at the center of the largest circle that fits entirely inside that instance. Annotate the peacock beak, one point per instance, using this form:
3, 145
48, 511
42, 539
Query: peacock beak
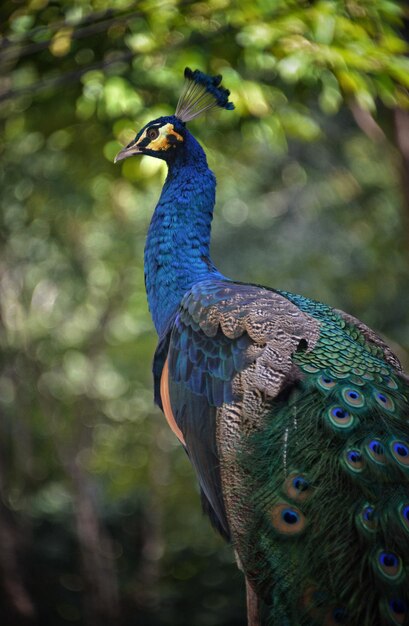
128, 151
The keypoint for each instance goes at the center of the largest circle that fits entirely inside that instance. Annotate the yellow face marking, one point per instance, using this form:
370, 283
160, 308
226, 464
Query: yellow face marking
161, 142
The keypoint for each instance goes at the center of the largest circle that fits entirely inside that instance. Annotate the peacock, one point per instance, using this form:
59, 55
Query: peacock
294, 415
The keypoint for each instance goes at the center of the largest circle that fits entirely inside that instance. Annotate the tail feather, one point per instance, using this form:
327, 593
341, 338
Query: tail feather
328, 478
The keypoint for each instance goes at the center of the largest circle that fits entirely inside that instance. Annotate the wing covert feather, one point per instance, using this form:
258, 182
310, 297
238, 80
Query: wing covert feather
229, 340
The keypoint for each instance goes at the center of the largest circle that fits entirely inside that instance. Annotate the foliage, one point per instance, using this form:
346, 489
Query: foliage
306, 202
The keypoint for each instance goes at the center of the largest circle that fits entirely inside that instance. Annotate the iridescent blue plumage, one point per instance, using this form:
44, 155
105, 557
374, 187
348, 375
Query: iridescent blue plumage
181, 222
294, 415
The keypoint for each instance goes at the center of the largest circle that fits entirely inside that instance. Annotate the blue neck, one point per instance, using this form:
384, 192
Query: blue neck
177, 245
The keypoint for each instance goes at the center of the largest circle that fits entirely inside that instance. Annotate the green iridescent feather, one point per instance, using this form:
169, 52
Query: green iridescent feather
327, 474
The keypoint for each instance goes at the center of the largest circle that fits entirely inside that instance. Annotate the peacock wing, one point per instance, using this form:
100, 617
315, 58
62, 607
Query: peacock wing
230, 346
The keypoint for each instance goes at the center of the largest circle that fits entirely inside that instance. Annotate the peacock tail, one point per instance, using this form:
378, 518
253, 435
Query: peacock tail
294, 415
326, 479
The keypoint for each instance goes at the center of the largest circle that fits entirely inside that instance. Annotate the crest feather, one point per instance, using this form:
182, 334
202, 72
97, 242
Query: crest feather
201, 93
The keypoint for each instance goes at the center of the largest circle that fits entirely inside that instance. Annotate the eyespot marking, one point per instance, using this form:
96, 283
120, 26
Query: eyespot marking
384, 400
297, 487
353, 397
354, 460
376, 451
400, 452
340, 418
403, 511
389, 564
326, 382
398, 609
287, 519
367, 518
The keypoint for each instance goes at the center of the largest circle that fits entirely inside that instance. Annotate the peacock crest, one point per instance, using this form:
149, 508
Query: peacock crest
201, 93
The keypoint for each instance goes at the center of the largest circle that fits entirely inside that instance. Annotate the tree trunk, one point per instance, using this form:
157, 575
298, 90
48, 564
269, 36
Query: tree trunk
101, 594
146, 590
16, 605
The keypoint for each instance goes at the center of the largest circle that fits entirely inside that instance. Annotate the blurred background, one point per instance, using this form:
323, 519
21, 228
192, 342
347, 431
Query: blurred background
100, 520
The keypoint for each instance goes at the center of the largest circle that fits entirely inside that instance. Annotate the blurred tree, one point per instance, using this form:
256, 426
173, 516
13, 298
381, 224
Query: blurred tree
100, 520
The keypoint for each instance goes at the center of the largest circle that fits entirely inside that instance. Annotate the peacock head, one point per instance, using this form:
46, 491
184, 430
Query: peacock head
165, 137
161, 138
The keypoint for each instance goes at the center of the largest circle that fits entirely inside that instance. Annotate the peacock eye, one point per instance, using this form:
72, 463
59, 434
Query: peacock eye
153, 133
